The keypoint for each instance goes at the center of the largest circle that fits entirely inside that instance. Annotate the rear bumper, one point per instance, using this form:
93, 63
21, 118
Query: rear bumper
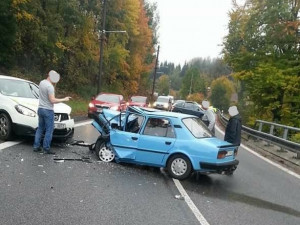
219, 167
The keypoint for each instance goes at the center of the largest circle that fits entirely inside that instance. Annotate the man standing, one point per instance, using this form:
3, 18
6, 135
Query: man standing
46, 113
234, 127
209, 116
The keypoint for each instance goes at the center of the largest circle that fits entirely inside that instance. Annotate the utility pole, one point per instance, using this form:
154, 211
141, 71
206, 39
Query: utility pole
154, 74
191, 82
102, 36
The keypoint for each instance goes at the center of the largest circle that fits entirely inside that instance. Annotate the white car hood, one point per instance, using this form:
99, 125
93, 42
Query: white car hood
33, 104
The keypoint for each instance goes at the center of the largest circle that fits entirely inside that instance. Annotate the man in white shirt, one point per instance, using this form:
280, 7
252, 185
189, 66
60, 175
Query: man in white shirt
209, 116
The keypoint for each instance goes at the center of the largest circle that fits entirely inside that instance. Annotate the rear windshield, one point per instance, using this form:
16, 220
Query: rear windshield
138, 99
162, 100
197, 127
19, 88
108, 98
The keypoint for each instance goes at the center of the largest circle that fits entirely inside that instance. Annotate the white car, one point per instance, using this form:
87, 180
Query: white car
18, 110
163, 102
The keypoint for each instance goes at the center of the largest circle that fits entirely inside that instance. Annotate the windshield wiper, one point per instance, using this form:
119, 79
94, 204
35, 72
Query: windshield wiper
33, 92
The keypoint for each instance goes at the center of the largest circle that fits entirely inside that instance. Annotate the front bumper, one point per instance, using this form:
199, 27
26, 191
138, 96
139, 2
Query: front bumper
23, 130
219, 167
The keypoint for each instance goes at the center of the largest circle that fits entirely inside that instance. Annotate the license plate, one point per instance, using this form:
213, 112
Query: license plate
59, 126
229, 153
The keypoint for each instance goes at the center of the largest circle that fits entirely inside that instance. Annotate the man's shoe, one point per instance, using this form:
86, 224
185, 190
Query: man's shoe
49, 152
39, 149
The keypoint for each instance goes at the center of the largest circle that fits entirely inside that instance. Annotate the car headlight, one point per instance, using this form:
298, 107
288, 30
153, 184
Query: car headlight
114, 108
91, 105
25, 111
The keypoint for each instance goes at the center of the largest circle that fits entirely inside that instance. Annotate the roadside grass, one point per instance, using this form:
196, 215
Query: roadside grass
79, 106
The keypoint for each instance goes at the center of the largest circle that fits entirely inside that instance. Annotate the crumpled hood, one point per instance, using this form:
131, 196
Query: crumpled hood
33, 104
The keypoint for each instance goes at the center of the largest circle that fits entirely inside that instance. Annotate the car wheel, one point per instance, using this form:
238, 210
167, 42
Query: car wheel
179, 167
5, 127
104, 152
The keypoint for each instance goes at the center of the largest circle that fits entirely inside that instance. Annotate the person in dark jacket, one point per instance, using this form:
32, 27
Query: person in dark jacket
234, 127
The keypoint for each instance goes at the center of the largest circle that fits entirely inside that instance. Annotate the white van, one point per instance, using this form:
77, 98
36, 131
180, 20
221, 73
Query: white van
163, 102
19, 100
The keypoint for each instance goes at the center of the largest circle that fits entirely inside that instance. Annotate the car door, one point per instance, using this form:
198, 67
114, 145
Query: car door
125, 141
155, 141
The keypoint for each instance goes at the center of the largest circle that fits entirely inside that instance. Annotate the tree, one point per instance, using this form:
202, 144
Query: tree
163, 85
221, 91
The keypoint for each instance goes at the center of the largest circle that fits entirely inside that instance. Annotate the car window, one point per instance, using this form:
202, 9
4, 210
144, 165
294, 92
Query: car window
140, 99
197, 127
159, 127
134, 123
189, 105
179, 104
108, 98
163, 99
18, 88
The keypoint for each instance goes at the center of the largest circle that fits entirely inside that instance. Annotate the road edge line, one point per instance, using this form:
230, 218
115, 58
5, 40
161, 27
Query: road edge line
190, 203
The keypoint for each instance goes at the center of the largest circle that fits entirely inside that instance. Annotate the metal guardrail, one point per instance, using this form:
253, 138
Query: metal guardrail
269, 137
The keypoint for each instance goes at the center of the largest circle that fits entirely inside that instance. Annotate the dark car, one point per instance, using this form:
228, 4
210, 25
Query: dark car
106, 101
188, 107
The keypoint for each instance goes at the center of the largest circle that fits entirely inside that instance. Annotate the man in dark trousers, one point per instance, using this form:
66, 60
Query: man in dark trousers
234, 127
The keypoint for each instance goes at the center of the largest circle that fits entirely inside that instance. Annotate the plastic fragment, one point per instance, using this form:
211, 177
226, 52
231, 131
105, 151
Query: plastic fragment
179, 197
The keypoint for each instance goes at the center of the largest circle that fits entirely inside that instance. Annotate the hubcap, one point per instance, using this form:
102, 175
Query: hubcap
179, 166
3, 126
106, 154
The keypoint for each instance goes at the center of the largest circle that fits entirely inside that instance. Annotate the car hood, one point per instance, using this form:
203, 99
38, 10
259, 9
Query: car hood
108, 104
33, 104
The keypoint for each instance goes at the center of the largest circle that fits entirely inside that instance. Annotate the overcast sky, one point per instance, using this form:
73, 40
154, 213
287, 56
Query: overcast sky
191, 28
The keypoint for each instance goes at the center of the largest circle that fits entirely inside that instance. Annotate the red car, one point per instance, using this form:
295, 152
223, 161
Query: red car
140, 101
106, 101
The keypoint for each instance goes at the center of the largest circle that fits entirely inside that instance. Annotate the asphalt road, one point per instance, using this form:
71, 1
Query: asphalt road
34, 189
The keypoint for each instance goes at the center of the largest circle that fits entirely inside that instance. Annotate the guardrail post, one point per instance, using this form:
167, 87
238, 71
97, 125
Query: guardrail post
285, 133
260, 126
272, 129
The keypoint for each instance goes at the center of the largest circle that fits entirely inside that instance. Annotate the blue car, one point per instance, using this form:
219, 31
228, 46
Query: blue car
179, 142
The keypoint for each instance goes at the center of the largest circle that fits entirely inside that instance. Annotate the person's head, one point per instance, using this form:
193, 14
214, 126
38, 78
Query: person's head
205, 104
233, 111
53, 77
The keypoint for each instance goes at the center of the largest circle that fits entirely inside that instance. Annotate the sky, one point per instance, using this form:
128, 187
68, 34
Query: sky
191, 28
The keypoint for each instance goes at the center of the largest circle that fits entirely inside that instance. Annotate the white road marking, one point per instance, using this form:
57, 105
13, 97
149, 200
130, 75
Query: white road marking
8, 144
265, 159
190, 203
83, 123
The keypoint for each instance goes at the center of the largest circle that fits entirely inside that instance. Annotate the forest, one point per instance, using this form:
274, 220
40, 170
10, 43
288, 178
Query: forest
260, 62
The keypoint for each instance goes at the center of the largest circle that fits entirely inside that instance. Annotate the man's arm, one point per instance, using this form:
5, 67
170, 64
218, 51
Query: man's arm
54, 100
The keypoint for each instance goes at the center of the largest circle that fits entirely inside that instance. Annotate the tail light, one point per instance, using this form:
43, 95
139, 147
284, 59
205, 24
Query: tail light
222, 154
235, 152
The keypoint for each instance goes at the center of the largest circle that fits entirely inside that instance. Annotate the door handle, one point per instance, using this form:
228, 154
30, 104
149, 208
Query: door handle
134, 138
168, 142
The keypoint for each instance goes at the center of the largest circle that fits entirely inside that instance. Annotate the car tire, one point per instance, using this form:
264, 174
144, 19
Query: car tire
179, 167
5, 127
103, 151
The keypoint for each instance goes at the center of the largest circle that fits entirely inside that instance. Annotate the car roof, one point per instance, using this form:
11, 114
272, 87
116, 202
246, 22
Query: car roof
155, 112
12, 78
104, 93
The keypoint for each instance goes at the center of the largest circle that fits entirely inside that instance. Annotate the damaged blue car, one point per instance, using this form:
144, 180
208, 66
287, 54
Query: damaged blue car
180, 143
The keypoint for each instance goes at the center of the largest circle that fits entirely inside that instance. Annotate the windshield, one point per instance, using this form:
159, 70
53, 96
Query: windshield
108, 98
197, 127
19, 88
139, 99
161, 99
